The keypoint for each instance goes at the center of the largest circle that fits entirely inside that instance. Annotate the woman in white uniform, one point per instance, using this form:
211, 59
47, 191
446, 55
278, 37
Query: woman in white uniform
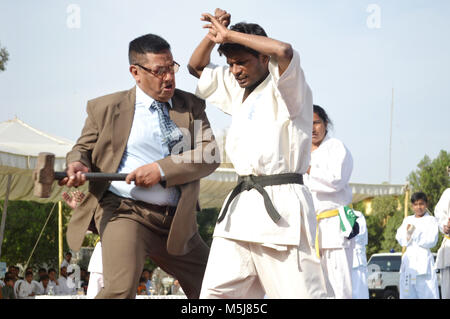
328, 180
418, 233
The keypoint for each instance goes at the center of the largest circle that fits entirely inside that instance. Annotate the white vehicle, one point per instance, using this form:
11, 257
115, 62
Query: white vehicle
384, 275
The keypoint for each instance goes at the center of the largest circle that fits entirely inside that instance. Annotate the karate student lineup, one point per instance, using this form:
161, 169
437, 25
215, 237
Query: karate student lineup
287, 230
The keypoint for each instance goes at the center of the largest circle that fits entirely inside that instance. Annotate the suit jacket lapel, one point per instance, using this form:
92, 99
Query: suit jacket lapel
179, 113
122, 122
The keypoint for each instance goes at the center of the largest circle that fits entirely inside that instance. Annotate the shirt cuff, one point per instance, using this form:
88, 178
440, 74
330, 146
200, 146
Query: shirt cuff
163, 177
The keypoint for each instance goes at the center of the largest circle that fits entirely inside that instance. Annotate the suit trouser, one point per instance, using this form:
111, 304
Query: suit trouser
129, 233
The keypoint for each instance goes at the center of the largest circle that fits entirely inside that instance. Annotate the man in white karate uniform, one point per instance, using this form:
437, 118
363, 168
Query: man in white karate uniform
64, 288
418, 233
26, 288
360, 288
442, 214
95, 269
328, 180
264, 239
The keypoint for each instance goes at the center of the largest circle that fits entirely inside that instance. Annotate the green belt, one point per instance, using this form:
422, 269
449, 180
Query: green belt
248, 182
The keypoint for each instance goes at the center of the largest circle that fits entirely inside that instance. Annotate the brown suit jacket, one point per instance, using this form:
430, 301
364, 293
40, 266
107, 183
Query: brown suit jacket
102, 144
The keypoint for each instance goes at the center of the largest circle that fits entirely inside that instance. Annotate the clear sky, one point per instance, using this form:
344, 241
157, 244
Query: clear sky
353, 52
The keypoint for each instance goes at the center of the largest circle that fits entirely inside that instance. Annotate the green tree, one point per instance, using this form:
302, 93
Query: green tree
24, 223
385, 210
393, 222
431, 177
4, 56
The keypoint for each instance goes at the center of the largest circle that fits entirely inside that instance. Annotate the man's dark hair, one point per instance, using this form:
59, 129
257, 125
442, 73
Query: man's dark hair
417, 196
149, 43
44, 277
7, 278
243, 27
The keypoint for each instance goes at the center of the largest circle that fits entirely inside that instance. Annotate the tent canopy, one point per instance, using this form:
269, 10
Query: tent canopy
20, 145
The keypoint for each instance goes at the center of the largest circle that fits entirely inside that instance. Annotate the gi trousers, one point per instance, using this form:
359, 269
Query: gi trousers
130, 232
445, 283
337, 266
238, 269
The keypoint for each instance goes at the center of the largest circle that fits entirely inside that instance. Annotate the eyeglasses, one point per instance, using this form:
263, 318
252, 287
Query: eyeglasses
162, 71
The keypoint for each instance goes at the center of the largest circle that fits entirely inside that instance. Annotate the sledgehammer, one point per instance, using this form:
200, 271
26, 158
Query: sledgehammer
44, 175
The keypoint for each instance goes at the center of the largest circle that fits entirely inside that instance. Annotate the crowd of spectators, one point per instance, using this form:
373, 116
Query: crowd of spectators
50, 282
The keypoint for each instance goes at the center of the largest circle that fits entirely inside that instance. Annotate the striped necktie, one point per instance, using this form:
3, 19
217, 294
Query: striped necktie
171, 134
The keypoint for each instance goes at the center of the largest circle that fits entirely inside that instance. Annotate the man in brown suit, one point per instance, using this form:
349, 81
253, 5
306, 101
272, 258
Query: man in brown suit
153, 212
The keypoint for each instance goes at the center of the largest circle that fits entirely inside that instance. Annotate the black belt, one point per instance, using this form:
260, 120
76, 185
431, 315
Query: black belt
248, 182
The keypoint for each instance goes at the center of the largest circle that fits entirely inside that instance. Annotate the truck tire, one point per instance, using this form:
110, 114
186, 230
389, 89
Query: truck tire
390, 294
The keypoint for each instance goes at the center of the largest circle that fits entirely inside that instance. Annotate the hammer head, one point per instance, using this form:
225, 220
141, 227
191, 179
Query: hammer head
44, 175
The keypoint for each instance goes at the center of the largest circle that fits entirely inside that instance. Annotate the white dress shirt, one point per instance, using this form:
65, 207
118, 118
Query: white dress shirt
144, 146
25, 289
270, 134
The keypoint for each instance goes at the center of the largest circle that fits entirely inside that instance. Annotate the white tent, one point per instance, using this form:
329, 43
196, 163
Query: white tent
20, 145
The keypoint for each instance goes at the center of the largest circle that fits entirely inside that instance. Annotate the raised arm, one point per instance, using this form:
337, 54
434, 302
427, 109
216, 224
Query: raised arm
201, 56
276, 49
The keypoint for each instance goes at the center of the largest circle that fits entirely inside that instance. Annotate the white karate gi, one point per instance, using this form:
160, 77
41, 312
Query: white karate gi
41, 290
24, 289
328, 181
64, 289
95, 269
442, 214
360, 288
270, 134
418, 278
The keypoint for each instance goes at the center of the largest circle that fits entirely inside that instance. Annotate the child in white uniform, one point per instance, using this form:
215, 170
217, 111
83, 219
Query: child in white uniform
418, 233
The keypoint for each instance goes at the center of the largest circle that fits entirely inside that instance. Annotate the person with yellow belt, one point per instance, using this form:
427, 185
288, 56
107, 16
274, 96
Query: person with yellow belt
328, 180
442, 214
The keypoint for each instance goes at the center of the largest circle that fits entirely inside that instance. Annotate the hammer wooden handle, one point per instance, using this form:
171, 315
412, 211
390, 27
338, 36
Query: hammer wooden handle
96, 176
